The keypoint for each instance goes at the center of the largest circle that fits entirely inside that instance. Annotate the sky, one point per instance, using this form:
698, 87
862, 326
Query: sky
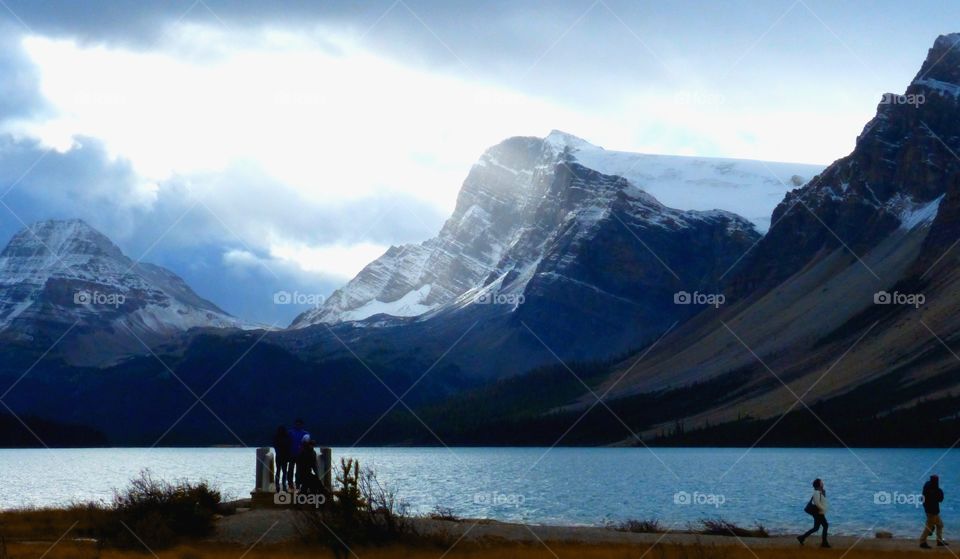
254, 147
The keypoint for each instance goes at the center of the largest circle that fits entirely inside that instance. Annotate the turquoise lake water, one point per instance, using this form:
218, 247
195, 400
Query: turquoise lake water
868, 489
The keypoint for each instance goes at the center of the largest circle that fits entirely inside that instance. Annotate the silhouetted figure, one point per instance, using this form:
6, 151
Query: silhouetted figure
308, 474
297, 433
817, 507
932, 497
281, 450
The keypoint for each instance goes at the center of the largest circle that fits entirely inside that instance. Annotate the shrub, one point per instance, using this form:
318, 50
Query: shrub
441, 512
361, 511
156, 514
719, 527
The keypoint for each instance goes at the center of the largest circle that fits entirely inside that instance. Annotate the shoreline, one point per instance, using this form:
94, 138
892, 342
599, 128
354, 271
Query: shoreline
276, 532
248, 526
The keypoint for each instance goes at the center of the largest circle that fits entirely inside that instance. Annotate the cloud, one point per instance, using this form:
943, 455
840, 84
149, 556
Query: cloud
262, 234
281, 144
49, 183
19, 79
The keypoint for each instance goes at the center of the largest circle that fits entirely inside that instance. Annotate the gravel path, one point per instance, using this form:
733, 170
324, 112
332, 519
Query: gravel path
274, 525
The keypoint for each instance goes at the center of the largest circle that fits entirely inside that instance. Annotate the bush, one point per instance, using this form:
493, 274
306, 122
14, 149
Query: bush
361, 511
155, 514
443, 513
719, 527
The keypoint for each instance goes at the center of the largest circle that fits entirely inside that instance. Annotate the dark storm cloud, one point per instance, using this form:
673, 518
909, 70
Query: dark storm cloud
513, 42
19, 79
144, 22
189, 223
41, 183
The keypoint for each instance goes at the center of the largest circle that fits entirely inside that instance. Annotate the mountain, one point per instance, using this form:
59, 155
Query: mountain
64, 278
547, 257
840, 326
544, 258
514, 201
562, 277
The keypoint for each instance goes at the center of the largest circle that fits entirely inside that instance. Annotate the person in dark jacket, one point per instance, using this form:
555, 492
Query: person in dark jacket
932, 497
297, 435
281, 451
818, 506
308, 474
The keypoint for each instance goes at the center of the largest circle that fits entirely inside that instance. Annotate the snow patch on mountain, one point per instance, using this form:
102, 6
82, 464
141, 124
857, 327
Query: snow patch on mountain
523, 193
744, 187
941, 87
67, 272
411, 304
914, 215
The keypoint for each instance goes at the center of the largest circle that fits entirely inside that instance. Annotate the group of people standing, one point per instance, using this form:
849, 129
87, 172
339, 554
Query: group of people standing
296, 455
932, 497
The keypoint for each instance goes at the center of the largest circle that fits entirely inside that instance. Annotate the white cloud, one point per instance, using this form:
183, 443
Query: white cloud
334, 126
328, 126
335, 262
340, 260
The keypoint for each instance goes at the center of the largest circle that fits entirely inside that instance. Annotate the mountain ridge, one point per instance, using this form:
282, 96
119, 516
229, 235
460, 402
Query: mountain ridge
489, 218
64, 276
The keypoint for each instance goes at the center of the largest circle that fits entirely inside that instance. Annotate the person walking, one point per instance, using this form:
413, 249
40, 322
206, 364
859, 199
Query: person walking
932, 497
281, 451
817, 507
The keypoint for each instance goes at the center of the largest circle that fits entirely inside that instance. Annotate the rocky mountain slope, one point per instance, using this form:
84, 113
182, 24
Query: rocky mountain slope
852, 295
546, 257
64, 278
837, 327
511, 206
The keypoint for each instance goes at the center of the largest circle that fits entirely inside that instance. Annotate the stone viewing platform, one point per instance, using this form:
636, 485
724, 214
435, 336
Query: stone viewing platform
266, 493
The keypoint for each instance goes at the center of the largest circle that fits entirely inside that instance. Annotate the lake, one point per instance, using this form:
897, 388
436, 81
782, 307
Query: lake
869, 489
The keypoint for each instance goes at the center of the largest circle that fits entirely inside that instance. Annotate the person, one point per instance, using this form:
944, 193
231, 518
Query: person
932, 497
308, 474
281, 450
817, 507
307, 467
297, 434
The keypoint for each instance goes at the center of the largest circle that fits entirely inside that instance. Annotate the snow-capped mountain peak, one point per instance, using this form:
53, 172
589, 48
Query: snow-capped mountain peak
64, 273
561, 141
525, 193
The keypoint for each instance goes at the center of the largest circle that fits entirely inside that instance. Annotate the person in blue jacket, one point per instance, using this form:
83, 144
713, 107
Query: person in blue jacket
297, 435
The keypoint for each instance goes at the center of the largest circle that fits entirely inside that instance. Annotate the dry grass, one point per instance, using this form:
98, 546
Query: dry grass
85, 550
30, 534
151, 511
49, 524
